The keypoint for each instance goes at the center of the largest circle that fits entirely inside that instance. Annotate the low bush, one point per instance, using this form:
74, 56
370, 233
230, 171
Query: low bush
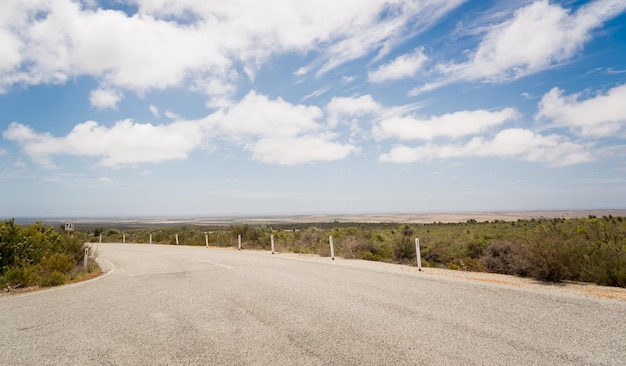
37, 254
54, 278
585, 249
18, 276
58, 262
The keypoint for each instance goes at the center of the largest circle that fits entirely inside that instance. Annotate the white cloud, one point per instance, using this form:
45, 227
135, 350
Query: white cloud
316, 93
105, 98
257, 115
452, 125
9, 51
349, 110
202, 45
511, 143
105, 180
350, 106
172, 115
299, 150
301, 71
405, 66
125, 143
603, 115
273, 130
279, 132
367, 34
538, 36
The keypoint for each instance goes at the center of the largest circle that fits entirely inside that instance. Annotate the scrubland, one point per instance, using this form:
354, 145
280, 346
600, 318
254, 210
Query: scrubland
590, 249
40, 255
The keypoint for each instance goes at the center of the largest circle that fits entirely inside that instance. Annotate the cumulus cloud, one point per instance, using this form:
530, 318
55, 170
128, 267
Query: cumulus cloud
603, 115
272, 130
351, 111
105, 98
538, 36
299, 150
199, 44
258, 115
453, 125
125, 143
353, 106
402, 67
279, 132
513, 143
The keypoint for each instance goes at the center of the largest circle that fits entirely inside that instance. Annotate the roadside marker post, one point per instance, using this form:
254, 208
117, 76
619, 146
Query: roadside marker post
86, 258
150, 238
206, 239
239, 242
100, 238
176, 239
418, 254
124, 238
332, 248
272, 238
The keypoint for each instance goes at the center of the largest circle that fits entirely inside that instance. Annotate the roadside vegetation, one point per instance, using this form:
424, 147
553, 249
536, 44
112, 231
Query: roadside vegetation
40, 255
588, 249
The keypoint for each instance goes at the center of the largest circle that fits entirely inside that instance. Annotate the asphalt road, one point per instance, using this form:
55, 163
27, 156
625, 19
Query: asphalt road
174, 305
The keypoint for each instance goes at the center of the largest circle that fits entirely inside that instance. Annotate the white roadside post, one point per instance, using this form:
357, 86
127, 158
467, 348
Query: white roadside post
206, 239
150, 238
272, 238
418, 254
86, 258
124, 238
176, 239
100, 238
332, 248
239, 242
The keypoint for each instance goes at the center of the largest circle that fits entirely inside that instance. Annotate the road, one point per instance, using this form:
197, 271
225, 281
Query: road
176, 305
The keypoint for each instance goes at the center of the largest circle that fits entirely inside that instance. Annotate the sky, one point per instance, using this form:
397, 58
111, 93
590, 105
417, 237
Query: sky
144, 108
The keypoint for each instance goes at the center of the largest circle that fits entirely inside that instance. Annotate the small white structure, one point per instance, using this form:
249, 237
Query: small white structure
69, 226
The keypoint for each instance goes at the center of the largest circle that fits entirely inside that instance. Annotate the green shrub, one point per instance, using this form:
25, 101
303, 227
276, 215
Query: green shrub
58, 262
54, 278
506, 258
19, 276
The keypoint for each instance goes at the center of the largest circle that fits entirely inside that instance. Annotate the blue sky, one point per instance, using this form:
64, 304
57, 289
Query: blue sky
212, 108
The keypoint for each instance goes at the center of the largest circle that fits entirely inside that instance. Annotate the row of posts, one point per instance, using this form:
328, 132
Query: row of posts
330, 242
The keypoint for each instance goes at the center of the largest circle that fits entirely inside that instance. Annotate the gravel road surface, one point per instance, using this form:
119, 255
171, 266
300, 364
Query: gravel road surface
176, 305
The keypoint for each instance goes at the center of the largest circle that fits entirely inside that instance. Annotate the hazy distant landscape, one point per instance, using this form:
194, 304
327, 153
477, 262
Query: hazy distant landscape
418, 218
554, 246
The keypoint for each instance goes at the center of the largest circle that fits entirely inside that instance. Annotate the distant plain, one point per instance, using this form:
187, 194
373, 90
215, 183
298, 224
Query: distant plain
418, 217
